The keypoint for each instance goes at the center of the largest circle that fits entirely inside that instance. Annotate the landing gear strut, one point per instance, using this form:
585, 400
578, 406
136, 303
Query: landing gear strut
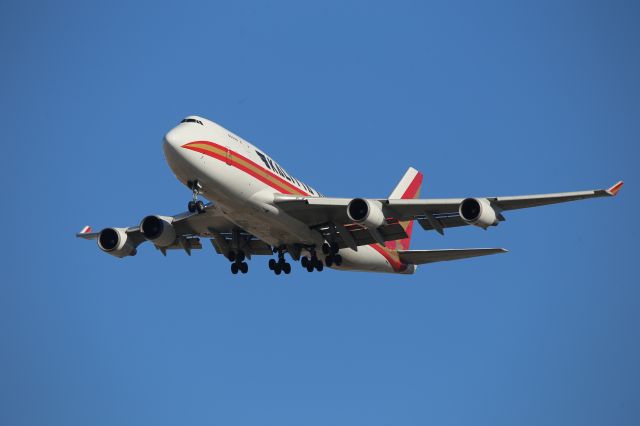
281, 265
237, 262
195, 205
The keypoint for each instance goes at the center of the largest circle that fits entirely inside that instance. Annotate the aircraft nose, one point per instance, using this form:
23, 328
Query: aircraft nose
173, 139
171, 146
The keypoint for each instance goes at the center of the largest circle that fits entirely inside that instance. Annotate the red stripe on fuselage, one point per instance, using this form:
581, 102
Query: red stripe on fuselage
286, 187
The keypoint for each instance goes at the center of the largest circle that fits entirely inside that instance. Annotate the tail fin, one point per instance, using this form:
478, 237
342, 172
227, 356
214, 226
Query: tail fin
408, 187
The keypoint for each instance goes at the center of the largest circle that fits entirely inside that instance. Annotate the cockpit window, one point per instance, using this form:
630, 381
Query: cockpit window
192, 120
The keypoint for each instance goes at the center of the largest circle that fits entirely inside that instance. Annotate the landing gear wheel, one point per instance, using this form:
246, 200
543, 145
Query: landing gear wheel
234, 268
199, 206
286, 268
309, 267
232, 256
319, 266
240, 256
337, 259
244, 267
272, 264
335, 248
191, 206
277, 269
329, 261
304, 262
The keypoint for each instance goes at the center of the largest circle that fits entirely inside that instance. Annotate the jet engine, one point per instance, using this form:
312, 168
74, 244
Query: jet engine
115, 242
366, 212
158, 230
478, 212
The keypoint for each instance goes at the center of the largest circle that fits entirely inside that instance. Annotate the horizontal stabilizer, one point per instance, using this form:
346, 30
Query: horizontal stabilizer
419, 257
87, 233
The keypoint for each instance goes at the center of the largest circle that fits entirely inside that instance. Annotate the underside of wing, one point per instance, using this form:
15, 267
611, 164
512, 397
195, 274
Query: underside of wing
226, 242
432, 214
182, 232
419, 257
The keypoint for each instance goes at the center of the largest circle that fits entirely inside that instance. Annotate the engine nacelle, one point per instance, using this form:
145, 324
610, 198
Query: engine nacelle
367, 212
158, 230
115, 242
478, 212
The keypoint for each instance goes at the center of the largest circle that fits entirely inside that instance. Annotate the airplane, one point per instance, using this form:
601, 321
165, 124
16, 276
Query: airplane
257, 208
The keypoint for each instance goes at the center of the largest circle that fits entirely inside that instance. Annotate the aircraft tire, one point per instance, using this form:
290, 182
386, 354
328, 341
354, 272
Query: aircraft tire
234, 268
335, 248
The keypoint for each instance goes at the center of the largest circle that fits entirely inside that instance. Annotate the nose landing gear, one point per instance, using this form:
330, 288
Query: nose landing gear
195, 205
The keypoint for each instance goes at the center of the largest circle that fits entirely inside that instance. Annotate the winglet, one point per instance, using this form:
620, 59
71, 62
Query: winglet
613, 191
85, 230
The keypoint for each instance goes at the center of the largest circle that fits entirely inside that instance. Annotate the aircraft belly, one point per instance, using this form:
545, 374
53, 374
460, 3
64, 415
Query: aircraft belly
249, 204
365, 259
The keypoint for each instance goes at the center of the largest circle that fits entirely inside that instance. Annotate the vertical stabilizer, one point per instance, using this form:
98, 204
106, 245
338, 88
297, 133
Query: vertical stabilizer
408, 187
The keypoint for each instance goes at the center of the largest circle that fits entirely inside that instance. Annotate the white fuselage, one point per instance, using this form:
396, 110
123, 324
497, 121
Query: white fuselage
242, 180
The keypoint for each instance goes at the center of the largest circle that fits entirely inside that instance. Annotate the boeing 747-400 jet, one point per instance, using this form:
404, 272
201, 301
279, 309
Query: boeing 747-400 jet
258, 208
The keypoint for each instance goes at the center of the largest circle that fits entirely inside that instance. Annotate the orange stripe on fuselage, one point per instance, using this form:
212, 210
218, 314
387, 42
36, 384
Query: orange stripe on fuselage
246, 165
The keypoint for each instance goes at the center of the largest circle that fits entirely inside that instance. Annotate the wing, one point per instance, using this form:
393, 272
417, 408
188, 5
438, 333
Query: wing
188, 228
329, 215
419, 257
437, 214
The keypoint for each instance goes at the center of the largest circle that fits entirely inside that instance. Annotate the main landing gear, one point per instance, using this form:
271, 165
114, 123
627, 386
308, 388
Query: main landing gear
237, 262
280, 265
195, 205
312, 262
331, 254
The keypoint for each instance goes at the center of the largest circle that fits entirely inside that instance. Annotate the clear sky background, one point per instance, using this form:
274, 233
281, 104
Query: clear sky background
486, 98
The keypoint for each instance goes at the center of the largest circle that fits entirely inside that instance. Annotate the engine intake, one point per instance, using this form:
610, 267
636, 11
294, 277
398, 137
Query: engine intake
478, 212
366, 212
115, 242
159, 230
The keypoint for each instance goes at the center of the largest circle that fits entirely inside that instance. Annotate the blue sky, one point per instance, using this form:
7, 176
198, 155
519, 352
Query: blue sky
498, 98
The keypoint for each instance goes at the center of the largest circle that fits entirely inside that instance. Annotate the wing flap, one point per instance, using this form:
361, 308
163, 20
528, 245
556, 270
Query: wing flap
251, 247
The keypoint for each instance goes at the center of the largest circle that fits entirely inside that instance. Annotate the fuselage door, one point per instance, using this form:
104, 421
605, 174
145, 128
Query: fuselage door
228, 156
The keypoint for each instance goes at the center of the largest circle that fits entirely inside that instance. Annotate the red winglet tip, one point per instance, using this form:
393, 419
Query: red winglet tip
615, 188
86, 230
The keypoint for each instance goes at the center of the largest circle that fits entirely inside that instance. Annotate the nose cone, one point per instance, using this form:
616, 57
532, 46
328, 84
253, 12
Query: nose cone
174, 153
173, 140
